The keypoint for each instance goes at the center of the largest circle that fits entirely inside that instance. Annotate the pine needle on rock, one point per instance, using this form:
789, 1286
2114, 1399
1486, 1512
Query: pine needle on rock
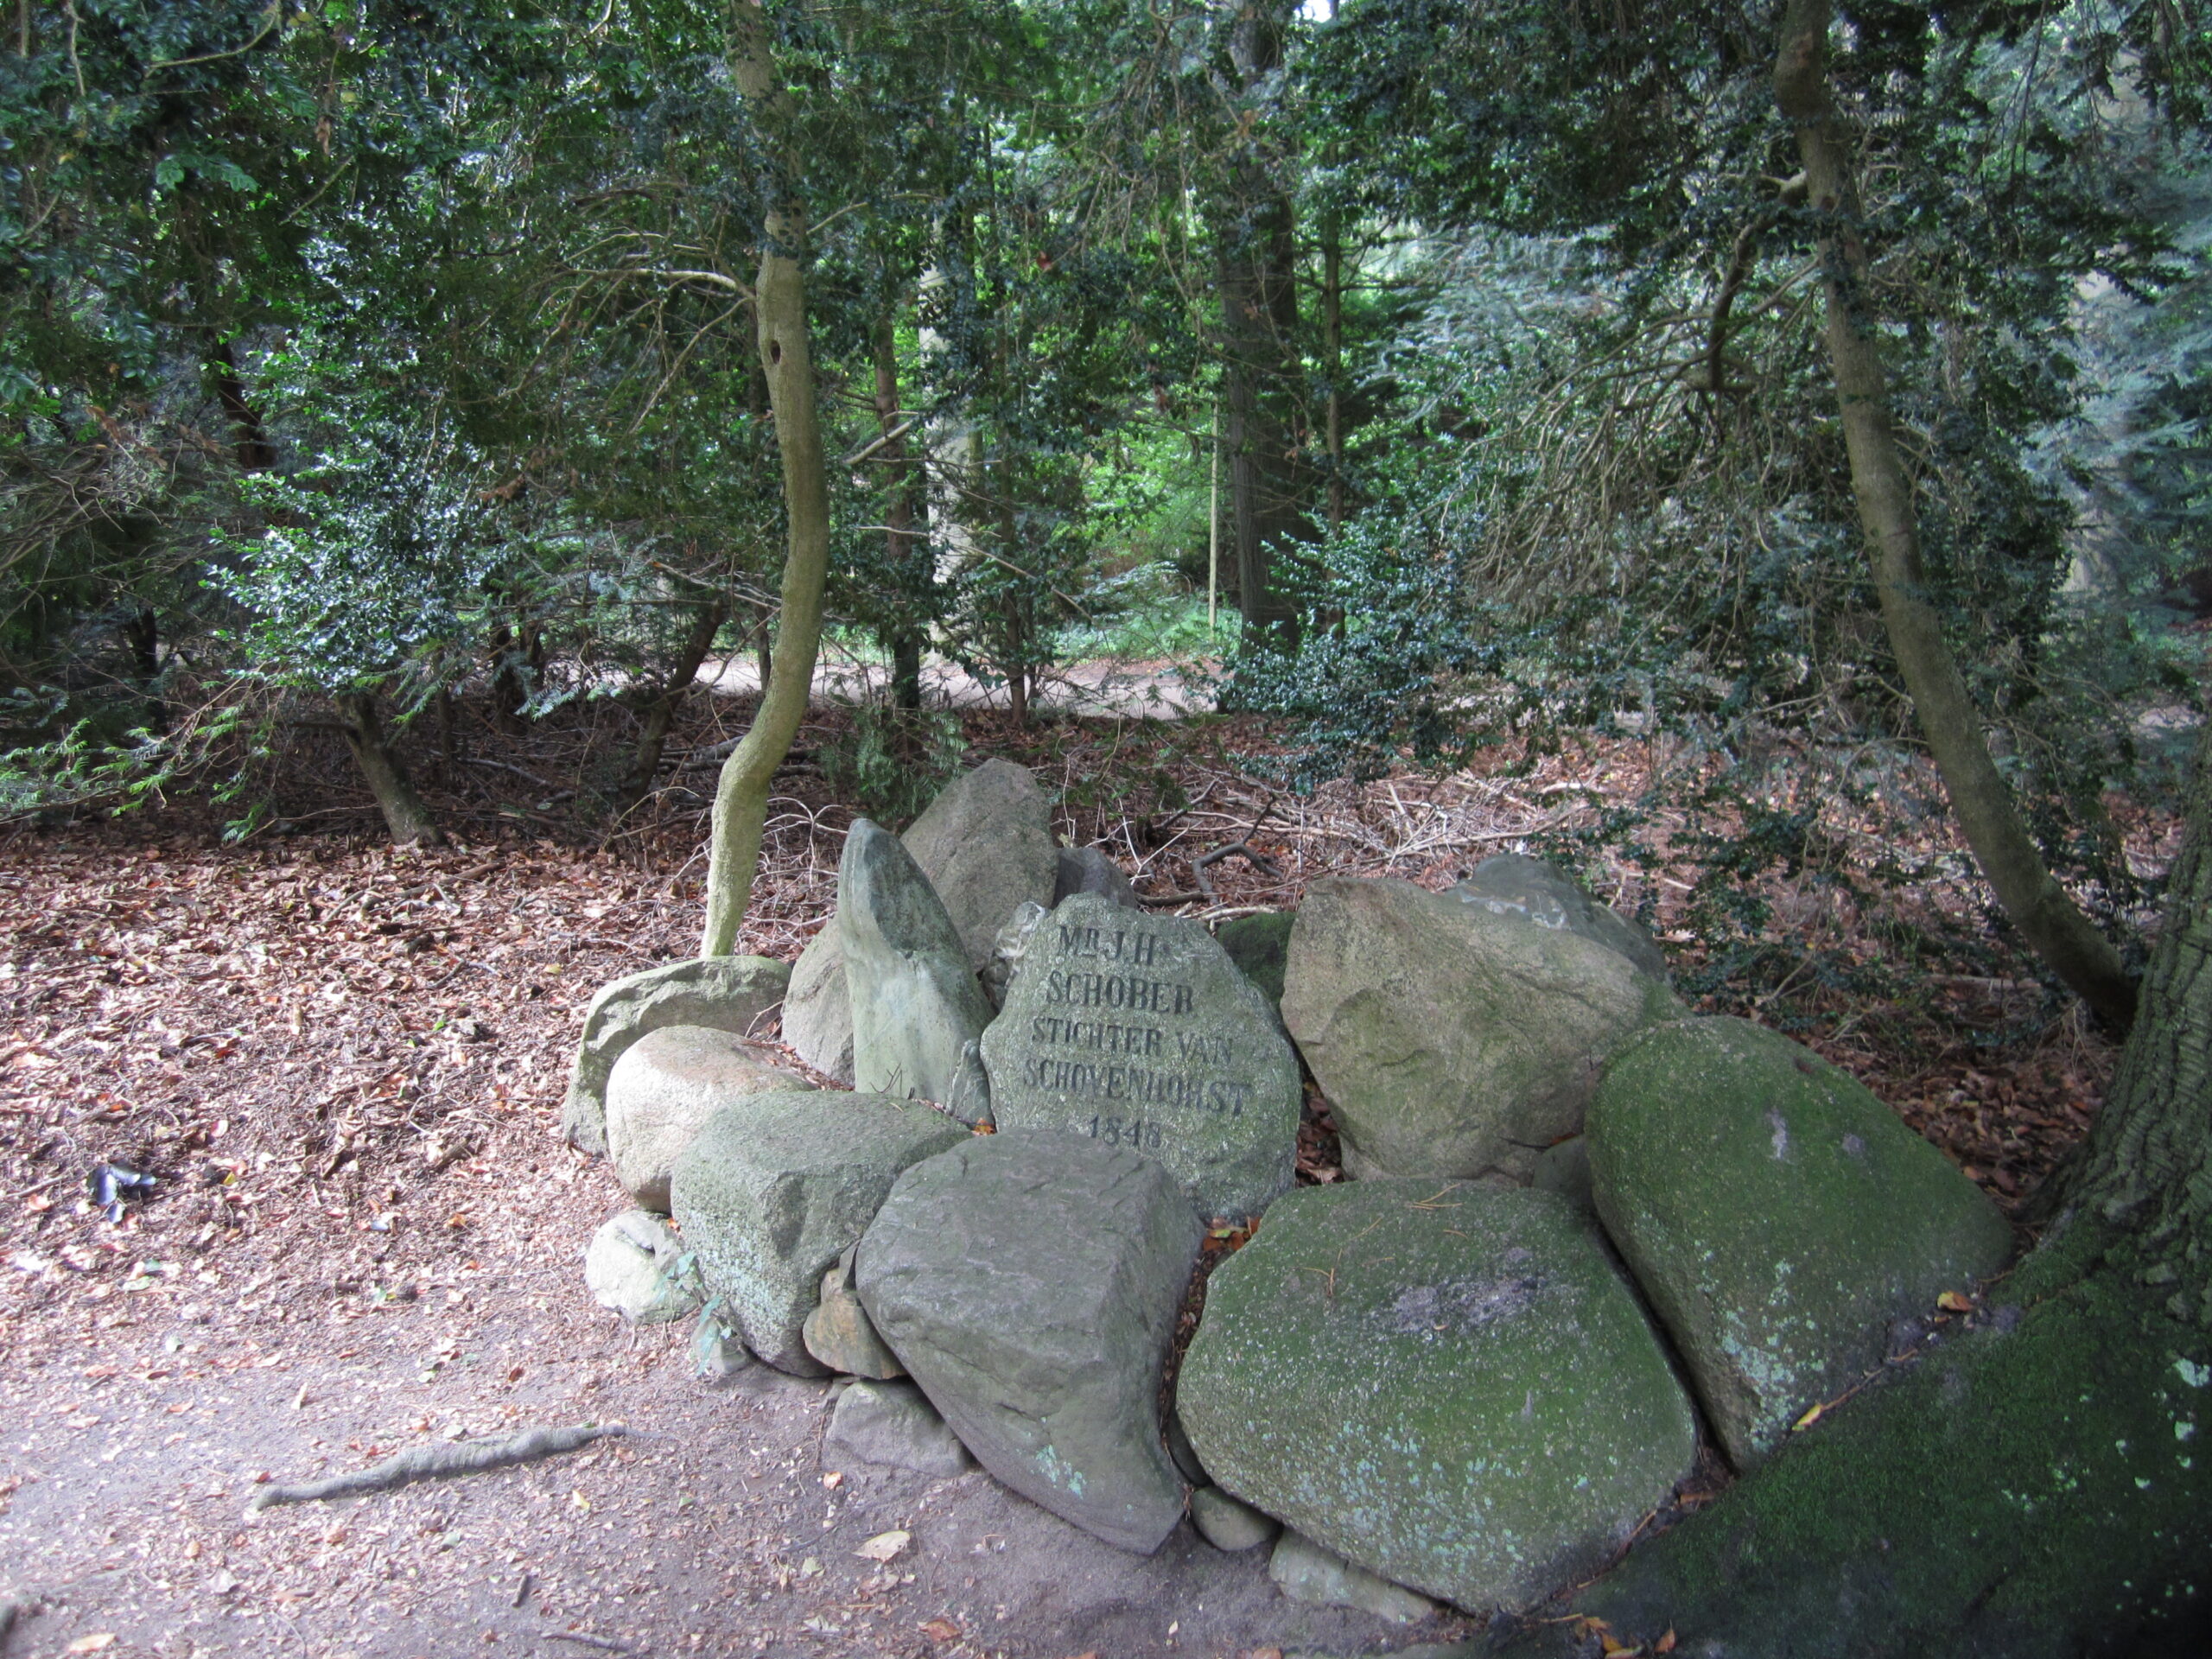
438, 1463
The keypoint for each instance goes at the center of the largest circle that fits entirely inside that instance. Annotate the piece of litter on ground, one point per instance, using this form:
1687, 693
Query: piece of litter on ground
884, 1545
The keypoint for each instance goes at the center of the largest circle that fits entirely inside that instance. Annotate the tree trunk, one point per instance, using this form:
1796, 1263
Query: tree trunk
2149, 1165
1259, 356
142, 631
404, 814
1988, 817
779, 307
510, 684
660, 710
903, 639
249, 438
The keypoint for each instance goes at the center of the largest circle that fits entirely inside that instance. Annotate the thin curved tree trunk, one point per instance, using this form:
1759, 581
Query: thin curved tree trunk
779, 309
404, 814
1988, 815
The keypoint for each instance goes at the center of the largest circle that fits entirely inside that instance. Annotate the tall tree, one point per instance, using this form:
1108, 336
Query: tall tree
1988, 815
786, 358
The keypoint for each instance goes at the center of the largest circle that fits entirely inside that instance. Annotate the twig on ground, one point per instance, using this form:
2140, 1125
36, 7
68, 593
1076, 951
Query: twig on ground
437, 1463
604, 1644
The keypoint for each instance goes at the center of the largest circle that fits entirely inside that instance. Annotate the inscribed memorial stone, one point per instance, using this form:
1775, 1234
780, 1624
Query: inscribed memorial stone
1138, 1031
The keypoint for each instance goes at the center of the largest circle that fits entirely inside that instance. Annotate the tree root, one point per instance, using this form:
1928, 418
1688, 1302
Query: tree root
437, 1463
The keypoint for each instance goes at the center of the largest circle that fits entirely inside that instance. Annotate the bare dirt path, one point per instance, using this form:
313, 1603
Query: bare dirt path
343, 1067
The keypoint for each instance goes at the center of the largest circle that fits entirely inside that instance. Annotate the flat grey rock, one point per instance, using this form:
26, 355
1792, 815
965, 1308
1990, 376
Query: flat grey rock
1029, 1281
1453, 1043
732, 994
894, 1425
776, 1187
667, 1085
1528, 889
1305, 1572
1449, 1385
917, 1005
1225, 1523
630, 1267
818, 1011
1136, 1030
1778, 1216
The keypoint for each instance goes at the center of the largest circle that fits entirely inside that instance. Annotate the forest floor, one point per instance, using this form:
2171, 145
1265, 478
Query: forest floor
343, 1067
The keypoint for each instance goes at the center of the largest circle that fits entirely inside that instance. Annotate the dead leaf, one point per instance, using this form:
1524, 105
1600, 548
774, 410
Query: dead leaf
91, 1644
1665, 1643
940, 1629
1951, 1302
834, 1479
884, 1545
1809, 1418
1613, 1650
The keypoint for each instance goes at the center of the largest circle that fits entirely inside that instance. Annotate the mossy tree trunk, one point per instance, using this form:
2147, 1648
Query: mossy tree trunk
779, 311
2042, 1483
1990, 818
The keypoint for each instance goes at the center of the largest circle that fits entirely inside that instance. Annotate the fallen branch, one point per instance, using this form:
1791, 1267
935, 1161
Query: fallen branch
437, 1463
605, 1644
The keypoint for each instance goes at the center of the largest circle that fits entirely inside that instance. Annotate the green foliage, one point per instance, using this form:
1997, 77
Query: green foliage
891, 762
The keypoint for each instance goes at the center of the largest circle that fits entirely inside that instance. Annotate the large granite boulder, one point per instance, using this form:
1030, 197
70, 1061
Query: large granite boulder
818, 1011
667, 1085
986, 845
728, 994
1528, 889
1451, 1042
917, 1005
1448, 1384
776, 1187
1137, 1030
1029, 1282
1778, 1216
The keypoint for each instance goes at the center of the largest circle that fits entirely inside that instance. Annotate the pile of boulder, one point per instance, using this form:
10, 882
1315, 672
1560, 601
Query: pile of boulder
1579, 1229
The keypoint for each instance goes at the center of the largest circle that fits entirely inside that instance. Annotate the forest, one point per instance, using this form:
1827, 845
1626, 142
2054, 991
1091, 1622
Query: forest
491, 493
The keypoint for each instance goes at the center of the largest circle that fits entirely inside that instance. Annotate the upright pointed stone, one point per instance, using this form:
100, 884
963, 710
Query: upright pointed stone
986, 844
916, 1002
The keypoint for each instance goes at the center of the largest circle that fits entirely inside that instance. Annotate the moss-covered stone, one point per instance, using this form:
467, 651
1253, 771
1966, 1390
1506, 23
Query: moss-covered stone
2039, 1488
1448, 1385
1777, 1215
732, 994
